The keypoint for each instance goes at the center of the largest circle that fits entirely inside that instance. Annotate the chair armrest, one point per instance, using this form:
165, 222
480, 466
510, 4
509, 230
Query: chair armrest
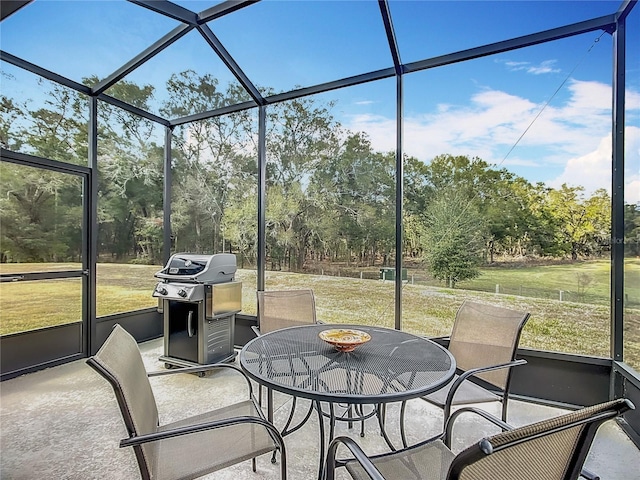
256, 330
201, 427
203, 368
448, 429
358, 455
464, 376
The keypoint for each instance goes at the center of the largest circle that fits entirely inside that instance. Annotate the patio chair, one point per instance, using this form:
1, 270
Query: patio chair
553, 449
279, 309
190, 447
483, 341
285, 308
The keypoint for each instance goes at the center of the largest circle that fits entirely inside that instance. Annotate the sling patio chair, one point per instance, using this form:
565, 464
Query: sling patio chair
285, 308
191, 447
279, 309
553, 449
484, 340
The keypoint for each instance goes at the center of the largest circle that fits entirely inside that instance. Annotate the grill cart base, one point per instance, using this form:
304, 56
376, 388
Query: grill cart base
190, 343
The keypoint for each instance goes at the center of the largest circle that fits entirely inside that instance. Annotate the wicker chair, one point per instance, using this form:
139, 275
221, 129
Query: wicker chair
191, 447
483, 341
553, 449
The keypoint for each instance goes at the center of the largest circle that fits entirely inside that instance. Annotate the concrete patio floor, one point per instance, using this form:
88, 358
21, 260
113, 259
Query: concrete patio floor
64, 423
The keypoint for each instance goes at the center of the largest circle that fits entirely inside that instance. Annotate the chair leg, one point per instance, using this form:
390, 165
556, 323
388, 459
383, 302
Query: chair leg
253, 465
504, 409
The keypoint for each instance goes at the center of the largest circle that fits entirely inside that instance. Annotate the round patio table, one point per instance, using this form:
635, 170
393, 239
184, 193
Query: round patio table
392, 367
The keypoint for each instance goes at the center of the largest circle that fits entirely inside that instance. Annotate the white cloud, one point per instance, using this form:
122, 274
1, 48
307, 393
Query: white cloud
632, 191
515, 65
545, 66
492, 122
593, 170
569, 142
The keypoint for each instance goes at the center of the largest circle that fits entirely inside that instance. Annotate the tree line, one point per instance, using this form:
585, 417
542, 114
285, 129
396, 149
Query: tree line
330, 195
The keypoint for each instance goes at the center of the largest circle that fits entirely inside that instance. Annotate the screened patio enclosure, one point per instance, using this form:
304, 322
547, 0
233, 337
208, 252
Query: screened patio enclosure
328, 145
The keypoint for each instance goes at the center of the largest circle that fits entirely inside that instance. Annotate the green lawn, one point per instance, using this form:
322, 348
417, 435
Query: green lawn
565, 326
586, 282
555, 326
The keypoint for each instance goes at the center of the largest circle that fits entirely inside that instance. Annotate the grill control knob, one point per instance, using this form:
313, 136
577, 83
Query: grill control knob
162, 290
182, 292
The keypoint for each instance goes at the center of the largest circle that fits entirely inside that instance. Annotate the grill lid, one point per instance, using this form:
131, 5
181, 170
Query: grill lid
191, 267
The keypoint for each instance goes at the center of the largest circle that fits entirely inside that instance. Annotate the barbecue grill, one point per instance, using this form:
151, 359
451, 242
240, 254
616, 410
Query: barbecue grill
199, 298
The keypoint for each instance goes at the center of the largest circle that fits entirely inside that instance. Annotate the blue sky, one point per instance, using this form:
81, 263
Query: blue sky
479, 108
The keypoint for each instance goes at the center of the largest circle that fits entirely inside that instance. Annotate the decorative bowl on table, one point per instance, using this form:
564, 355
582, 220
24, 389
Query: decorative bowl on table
344, 339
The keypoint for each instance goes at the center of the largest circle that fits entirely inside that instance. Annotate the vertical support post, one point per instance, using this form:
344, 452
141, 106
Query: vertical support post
399, 200
399, 69
90, 247
617, 198
166, 197
617, 193
262, 196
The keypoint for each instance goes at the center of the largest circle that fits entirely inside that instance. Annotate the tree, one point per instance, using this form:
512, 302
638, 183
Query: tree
496, 193
240, 224
598, 214
579, 224
285, 225
301, 135
357, 190
210, 159
329, 194
11, 115
41, 215
632, 229
130, 166
507, 212
58, 131
40, 211
453, 237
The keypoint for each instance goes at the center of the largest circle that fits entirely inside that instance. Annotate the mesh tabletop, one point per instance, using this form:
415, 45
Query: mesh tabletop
392, 366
